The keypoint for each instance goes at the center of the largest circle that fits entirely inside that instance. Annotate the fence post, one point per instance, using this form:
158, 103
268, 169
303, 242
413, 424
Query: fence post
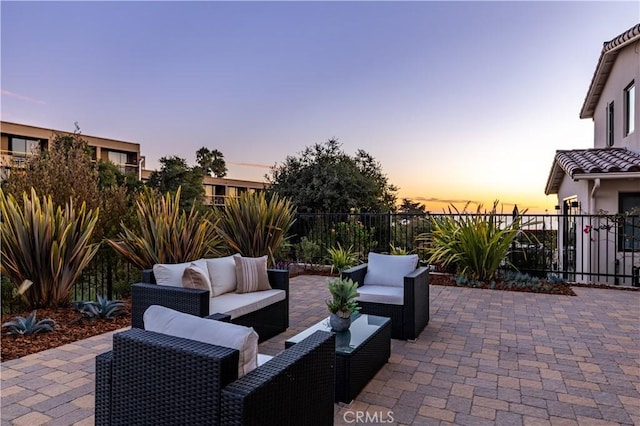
109, 279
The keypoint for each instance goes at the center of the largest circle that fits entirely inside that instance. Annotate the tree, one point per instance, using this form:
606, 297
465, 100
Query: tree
174, 173
323, 178
211, 162
63, 171
408, 206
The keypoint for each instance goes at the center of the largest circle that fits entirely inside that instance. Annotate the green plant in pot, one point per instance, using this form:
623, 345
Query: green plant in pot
342, 303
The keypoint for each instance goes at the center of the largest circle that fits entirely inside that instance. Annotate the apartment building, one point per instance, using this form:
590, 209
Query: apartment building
18, 141
218, 190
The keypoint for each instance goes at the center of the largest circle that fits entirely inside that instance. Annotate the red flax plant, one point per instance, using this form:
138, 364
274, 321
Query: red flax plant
47, 245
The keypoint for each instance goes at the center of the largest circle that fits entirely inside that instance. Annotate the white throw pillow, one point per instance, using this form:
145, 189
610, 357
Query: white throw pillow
170, 274
222, 273
385, 269
173, 323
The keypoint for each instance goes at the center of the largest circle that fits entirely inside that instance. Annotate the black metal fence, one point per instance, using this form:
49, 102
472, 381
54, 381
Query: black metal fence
578, 248
581, 248
108, 275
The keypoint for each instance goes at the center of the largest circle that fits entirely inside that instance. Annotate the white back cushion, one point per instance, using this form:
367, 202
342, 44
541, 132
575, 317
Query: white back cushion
385, 269
222, 273
174, 323
170, 274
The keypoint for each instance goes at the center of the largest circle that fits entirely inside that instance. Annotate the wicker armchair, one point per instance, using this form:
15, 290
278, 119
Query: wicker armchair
155, 379
268, 321
409, 319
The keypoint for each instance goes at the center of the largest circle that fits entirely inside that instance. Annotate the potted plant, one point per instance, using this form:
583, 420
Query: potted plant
342, 303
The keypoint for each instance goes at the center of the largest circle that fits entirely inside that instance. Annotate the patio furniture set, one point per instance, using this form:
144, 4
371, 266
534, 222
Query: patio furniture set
180, 365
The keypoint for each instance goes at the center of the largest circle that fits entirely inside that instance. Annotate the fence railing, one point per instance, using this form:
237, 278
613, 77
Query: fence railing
581, 248
108, 275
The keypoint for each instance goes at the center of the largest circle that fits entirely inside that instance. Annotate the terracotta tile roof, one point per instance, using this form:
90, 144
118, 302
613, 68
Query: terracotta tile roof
603, 68
591, 161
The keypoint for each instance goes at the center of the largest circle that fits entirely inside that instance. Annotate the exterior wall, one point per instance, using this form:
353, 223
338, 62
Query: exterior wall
625, 69
598, 249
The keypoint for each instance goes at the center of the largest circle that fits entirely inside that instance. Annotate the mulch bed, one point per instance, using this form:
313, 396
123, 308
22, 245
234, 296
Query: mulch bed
69, 327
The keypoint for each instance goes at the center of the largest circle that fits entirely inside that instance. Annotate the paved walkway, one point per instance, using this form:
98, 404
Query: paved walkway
486, 357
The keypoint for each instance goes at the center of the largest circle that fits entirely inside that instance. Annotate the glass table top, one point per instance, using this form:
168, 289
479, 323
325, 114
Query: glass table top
362, 327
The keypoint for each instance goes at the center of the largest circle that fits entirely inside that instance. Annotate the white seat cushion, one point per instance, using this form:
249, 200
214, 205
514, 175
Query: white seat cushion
263, 358
170, 274
173, 323
222, 273
389, 270
391, 295
237, 305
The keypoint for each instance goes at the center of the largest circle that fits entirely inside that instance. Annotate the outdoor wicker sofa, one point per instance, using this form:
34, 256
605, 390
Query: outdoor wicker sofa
410, 317
151, 378
268, 321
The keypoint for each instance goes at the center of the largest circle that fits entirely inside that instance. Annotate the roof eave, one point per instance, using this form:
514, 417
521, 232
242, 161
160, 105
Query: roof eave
606, 175
605, 63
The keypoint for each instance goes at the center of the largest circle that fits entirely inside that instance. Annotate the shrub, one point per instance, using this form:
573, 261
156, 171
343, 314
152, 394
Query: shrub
29, 325
46, 245
167, 234
475, 243
253, 226
308, 251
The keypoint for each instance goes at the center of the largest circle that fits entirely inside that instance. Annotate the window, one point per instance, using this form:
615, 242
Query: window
118, 158
629, 228
629, 109
610, 124
122, 159
22, 147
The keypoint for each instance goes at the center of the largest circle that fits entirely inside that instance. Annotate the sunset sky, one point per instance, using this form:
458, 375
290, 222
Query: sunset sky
457, 100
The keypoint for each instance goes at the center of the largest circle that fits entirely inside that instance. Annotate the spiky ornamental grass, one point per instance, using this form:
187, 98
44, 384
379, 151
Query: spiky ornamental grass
475, 243
167, 234
46, 245
342, 258
254, 226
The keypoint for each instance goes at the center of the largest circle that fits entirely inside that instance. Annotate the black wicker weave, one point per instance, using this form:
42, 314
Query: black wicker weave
154, 379
365, 355
268, 321
408, 320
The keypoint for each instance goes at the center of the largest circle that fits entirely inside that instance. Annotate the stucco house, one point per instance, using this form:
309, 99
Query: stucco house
605, 179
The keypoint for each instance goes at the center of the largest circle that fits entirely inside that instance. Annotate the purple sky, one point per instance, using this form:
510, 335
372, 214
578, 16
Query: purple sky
458, 101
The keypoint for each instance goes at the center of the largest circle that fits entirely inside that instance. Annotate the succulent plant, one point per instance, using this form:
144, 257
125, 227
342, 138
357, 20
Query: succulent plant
103, 308
29, 325
344, 292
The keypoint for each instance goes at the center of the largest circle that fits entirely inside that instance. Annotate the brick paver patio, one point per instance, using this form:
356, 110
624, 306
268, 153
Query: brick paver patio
486, 357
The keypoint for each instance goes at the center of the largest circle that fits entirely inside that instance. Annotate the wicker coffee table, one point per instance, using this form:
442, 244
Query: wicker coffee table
360, 352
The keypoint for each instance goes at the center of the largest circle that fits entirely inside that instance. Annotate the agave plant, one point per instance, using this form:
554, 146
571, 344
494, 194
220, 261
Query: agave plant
475, 243
342, 258
254, 226
102, 309
167, 233
46, 245
29, 325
